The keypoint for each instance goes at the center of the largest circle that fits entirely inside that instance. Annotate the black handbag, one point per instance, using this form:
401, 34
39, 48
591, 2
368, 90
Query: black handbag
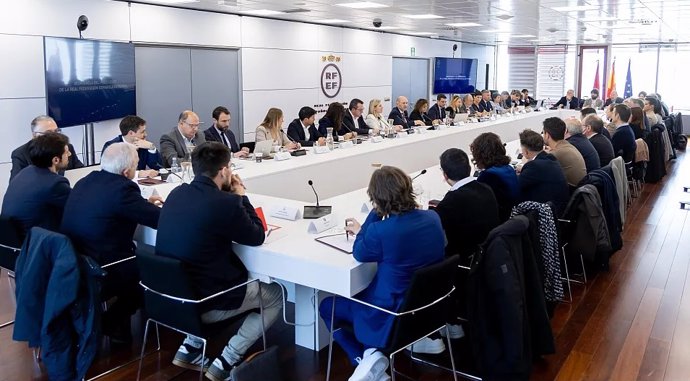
261, 365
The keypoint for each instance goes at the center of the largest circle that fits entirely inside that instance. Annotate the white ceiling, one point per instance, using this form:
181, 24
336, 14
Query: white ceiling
517, 22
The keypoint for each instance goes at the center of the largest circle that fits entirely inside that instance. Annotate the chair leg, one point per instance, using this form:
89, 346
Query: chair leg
567, 274
584, 272
158, 338
391, 361
143, 347
450, 351
10, 276
330, 342
203, 358
261, 311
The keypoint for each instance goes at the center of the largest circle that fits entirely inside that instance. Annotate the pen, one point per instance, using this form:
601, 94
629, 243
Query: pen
347, 234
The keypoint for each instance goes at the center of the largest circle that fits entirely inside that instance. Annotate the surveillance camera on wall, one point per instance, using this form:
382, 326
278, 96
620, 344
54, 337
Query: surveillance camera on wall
377, 23
82, 24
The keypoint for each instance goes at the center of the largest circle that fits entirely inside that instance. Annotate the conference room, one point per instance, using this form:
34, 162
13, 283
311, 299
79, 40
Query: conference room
292, 156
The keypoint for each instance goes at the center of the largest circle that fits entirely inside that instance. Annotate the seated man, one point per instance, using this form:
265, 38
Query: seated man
568, 156
594, 101
41, 125
302, 130
438, 111
526, 99
220, 132
574, 135
569, 101
133, 131
541, 177
592, 127
623, 139
179, 142
613, 99
216, 212
399, 113
485, 104
353, 119
37, 195
393, 236
100, 218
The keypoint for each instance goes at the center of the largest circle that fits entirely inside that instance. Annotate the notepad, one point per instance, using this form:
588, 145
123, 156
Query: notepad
338, 241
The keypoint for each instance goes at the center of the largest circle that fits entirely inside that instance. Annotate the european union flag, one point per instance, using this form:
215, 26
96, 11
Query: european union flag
628, 83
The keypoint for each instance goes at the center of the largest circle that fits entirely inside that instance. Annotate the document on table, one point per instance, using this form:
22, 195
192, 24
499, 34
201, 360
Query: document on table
338, 241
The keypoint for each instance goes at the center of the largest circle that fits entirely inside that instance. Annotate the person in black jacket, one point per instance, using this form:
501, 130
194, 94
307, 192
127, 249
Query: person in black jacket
419, 115
541, 177
399, 113
220, 132
574, 135
334, 119
353, 119
568, 101
198, 225
302, 130
37, 195
438, 111
623, 140
133, 131
592, 127
489, 153
21, 157
101, 215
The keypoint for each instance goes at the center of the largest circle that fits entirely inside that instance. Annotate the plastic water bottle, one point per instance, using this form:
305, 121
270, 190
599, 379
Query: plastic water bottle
175, 169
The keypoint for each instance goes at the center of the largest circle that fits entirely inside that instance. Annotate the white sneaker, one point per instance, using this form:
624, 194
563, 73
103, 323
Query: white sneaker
428, 345
372, 366
384, 377
456, 331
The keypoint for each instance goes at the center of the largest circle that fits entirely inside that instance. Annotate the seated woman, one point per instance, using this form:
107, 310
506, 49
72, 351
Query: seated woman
498, 103
375, 119
400, 239
272, 129
334, 119
489, 155
637, 123
467, 103
419, 115
454, 107
476, 109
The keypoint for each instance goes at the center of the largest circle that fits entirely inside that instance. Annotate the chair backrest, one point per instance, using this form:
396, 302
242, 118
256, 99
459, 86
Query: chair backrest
10, 243
168, 276
428, 285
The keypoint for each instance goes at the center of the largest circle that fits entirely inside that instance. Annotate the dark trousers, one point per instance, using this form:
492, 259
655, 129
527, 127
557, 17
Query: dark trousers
122, 281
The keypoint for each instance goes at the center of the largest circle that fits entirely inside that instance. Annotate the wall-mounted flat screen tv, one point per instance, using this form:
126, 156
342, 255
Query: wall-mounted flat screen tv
455, 75
89, 81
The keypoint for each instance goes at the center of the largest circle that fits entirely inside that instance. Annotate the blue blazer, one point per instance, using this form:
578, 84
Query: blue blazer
21, 159
503, 181
587, 150
485, 106
400, 245
542, 180
102, 214
212, 135
360, 128
198, 226
325, 123
623, 141
573, 104
435, 112
36, 197
146, 157
296, 133
399, 118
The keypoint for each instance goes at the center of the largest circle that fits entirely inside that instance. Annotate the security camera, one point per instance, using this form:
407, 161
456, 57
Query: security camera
377, 23
82, 23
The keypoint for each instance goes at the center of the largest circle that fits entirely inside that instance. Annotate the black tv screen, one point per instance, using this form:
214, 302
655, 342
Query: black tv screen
455, 75
88, 81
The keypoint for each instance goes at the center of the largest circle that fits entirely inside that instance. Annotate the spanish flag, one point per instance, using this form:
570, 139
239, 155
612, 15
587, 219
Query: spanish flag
611, 86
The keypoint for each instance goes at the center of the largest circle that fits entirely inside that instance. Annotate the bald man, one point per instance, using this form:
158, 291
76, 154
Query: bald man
399, 113
180, 142
41, 125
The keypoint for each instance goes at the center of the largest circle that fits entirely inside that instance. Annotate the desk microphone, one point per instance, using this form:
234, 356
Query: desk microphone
318, 211
420, 173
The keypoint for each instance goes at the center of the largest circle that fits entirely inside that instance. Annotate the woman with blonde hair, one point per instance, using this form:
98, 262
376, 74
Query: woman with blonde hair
375, 119
454, 107
272, 129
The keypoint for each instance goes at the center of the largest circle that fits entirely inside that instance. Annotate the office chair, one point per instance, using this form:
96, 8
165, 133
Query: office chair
10, 246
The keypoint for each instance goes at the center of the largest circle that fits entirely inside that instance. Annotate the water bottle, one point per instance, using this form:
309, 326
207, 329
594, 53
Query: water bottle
329, 139
175, 169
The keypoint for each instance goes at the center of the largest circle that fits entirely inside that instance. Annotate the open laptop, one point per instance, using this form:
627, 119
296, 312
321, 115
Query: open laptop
264, 147
460, 117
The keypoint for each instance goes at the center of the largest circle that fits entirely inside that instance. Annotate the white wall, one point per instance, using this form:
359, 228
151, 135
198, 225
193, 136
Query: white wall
281, 61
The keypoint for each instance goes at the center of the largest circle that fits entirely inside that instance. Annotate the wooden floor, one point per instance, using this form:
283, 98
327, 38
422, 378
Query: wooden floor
631, 323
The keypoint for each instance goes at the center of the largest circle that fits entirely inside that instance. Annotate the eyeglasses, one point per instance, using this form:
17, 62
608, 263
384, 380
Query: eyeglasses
58, 131
192, 125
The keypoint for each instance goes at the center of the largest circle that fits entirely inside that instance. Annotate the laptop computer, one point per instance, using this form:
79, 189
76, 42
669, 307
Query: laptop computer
460, 117
264, 147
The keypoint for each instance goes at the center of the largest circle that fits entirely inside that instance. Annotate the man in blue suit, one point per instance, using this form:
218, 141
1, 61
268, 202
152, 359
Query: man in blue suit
568, 101
438, 111
485, 104
37, 195
133, 131
623, 139
302, 130
353, 119
220, 132
198, 225
400, 239
100, 218
399, 113
541, 177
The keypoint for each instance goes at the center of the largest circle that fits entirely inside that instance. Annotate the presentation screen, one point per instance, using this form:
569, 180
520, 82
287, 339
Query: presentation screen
89, 81
455, 75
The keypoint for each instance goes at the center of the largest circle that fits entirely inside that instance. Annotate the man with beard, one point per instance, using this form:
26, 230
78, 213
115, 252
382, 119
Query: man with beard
220, 132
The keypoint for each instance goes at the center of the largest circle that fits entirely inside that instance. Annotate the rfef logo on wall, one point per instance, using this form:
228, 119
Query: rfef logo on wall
331, 77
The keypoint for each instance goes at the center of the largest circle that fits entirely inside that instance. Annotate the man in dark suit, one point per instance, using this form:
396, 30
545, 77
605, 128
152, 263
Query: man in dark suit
541, 177
181, 140
302, 129
37, 195
569, 101
623, 140
592, 127
220, 132
41, 125
574, 135
354, 113
613, 99
399, 113
133, 131
438, 111
526, 99
100, 218
216, 212
485, 104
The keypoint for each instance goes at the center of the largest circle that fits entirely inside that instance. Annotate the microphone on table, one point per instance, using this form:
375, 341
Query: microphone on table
318, 211
420, 173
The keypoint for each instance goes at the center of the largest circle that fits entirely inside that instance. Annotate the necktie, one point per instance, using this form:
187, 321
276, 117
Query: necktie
225, 140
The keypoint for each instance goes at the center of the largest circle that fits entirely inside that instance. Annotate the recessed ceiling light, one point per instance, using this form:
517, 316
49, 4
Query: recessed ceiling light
263, 12
463, 24
175, 1
362, 5
423, 17
524, 36
388, 28
576, 8
334, 21
422, 33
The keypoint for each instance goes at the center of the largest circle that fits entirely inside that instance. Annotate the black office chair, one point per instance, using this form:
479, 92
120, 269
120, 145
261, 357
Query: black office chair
170, 301
423, 312
10, 246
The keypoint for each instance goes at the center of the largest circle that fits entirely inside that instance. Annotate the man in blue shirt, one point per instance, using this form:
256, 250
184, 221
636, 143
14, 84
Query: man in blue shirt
133, 130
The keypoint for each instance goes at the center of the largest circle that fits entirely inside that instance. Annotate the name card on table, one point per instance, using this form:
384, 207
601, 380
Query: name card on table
322, 224
321, 149
376, 139
367, 207
280, 156
402, 134
347, 144
148, 192
286, 212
